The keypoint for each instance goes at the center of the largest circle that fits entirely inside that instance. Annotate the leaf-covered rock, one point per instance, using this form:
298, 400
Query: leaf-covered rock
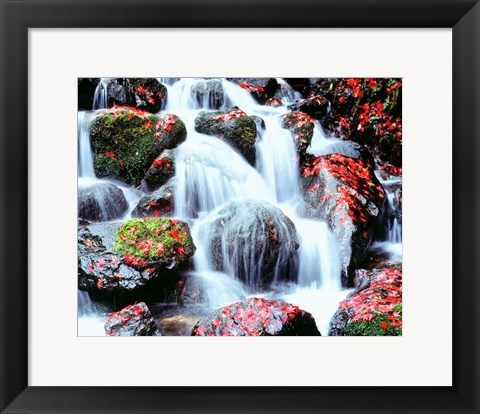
134, 320
101, 202
346, 194
234, 126
161, 170
257, 317
374, 308
154, 242
126, 141
301, 127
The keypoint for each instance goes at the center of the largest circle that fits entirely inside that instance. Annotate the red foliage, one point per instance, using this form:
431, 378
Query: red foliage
384, 292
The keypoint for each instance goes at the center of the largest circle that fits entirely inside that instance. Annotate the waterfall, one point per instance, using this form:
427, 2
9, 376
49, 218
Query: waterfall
100, 98
85, 157
209, 173
277, 160
211, 176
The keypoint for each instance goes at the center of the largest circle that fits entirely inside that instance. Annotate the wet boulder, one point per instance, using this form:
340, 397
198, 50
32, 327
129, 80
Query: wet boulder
155, 242
116, 257
257, 317
148, 94
101, 202
253, 241
126, 141
177, 325
259, 90
346, 194
101, 268
315, 106
301, 127
209, 94
161, 170
234, 126
158, 203
302, 85
374, 308
134, 320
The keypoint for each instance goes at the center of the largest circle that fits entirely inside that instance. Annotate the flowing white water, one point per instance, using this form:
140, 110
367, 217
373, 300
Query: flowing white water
85, 158
277, 160
101, 94
323, 144
210, 173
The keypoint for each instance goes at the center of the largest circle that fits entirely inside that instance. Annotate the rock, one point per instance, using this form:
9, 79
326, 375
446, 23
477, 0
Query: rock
257, 317
209, 94
374, 308
101, 202
346, 194
301, 85
117, 258
86, 91
252, 241
234, 126
101, 269
314, 105
134, 320
301, 127
251, 81
179, 325
126, 142
259, 90
161, 170
148, 94
155, 242
158, 203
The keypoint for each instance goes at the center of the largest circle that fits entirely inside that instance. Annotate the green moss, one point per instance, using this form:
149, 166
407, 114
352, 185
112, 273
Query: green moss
374, 327
247, 129
132, 140
154, 241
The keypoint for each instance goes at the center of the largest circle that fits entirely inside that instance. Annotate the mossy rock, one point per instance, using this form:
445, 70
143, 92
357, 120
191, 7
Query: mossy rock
154, 242
234, 126
126, 141
301, 127
374, 308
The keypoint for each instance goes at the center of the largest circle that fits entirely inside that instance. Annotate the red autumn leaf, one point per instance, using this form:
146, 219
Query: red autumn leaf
160, 248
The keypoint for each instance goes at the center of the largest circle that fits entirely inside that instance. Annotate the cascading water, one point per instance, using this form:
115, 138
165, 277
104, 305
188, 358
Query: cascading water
388, 237
211, 175
85, 158
100, 98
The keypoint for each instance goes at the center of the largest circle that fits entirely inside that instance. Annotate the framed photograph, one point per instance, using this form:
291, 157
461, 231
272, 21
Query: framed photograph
239, 172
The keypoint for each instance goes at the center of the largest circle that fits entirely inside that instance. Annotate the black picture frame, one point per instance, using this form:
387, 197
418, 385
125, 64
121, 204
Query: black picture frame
17, 16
